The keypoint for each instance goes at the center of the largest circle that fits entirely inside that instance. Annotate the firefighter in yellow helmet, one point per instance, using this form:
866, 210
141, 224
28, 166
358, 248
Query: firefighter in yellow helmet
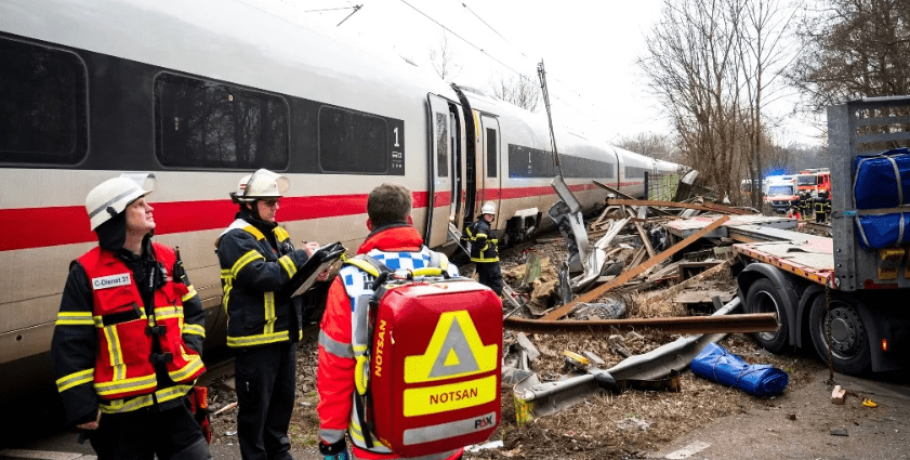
483, 250
257, 259
128, 339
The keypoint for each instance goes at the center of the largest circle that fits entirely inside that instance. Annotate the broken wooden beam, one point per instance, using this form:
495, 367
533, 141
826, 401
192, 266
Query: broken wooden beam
621, 279
708, 207
644, 239
752, 322
693, 281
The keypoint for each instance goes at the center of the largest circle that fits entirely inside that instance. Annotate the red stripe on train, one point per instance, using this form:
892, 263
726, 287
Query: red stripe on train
53, 226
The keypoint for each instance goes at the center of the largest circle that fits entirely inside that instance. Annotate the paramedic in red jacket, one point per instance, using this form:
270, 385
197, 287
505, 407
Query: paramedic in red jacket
393, 236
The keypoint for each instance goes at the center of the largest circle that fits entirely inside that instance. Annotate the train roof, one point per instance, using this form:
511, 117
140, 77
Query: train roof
230, 41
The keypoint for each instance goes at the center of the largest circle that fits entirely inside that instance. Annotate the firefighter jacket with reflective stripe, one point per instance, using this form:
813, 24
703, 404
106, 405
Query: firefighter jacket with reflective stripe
481, 243
342, 340
256, 262
115, 351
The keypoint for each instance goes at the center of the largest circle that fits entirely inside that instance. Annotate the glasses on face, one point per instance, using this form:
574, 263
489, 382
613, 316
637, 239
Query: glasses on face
271, 203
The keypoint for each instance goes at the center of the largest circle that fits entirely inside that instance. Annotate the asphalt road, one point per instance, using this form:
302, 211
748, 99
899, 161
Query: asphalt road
799, 425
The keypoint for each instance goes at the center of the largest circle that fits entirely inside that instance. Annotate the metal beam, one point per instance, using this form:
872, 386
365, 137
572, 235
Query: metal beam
752, 322
672, 204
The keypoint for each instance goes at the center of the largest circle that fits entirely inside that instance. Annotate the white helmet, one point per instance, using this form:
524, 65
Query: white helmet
112, 196
488, 208
261, 184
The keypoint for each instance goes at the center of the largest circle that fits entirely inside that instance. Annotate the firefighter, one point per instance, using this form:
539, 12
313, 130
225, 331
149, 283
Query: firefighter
820, 207
128, 339
482, 247
257, 259
803, 205
397, 244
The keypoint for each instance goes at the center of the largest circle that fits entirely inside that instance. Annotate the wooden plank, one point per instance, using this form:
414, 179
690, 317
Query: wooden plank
639, 254
621, 279
644, 239
673, 204
691, 282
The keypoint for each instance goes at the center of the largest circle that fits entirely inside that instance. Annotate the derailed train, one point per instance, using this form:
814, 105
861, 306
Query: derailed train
199, 93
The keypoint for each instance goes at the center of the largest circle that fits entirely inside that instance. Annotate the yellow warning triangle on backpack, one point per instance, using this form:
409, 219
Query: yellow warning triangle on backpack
455, 350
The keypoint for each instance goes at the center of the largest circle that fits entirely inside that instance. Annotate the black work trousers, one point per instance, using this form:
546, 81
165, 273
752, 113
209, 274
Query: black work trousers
172, 434
265, 379
490, 275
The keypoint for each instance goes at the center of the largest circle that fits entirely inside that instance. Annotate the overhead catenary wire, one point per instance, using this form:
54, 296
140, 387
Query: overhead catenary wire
520, 75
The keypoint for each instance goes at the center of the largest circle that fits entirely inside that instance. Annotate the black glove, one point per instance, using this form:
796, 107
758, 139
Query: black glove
337, 451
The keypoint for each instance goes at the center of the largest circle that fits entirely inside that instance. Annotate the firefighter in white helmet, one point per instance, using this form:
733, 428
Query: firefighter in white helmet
257, 260
483, 250
128, 339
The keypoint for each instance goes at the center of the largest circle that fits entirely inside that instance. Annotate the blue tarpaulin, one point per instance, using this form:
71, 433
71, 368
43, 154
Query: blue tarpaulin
883, 231
716, 364
882, 181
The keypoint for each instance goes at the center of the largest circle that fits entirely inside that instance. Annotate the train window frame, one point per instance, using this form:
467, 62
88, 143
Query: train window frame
387, 149
80, 114
156, 100
442, 144
492, 158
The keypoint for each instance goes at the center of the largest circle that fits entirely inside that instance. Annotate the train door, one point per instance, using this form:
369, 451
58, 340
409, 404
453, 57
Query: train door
457, 164
439, 183
492, 170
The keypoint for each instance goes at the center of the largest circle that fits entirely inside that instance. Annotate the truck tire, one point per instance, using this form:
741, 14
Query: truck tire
850, 351
764, 297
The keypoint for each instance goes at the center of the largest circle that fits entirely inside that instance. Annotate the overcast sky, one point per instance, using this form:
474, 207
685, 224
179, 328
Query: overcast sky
589, 48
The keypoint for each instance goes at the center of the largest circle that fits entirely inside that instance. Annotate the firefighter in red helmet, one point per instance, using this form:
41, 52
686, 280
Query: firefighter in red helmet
128, 338
398, 245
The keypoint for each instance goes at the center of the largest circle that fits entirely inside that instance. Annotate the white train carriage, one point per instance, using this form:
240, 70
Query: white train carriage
202, 92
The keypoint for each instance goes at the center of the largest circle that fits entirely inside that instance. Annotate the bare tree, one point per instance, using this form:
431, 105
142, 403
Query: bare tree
521, 90
690, 65
442, 58
763, 58
853, 48
657, 146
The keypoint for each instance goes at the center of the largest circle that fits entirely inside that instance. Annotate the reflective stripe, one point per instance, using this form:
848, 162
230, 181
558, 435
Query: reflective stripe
122, 386
430, 271
357, 437
241, 262
270, 317
168, 312
339, 349
280, 233
449, 429
189, 295
114, 352
127, 405
288, 265
364, 265
254, 231
75, 379
228, 281
74, 318
261, 339
191, 368
194, 329
331, 436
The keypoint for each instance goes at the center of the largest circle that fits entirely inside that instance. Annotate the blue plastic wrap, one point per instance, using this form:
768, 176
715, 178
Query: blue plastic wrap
715, 363
883, 231
882, 181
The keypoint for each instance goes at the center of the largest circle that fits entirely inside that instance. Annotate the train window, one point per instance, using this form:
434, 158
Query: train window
632, 171
442, 145
205, 124
42, 104
491, 152
351, 142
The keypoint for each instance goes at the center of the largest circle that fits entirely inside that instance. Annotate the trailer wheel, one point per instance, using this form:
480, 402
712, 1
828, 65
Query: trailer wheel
763, 297
850, 351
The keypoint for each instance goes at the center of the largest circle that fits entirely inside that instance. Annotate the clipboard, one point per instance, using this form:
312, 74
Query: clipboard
306, 275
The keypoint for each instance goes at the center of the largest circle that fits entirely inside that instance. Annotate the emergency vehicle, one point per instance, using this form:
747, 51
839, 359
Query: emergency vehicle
817, 284
781, 193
